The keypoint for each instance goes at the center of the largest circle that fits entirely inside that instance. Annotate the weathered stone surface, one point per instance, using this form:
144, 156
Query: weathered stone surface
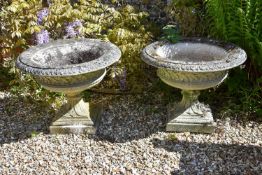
191, 127
68, 57
70, 66
191, 80
192, 64
194, 55
81, 119
196, 118
71, 84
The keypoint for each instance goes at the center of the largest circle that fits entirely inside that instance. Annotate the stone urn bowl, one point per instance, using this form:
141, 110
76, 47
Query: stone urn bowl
192, 64
70, 66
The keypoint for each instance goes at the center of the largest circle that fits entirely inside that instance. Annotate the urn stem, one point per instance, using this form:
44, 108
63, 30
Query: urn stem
73, 98
189, 97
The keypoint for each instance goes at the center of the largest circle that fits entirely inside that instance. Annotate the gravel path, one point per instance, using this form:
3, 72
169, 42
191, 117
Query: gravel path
129, 140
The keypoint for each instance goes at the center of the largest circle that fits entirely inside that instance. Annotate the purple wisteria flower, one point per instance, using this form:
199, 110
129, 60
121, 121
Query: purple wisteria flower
122, 80
42, 37
41, 15
73, 29
120, 77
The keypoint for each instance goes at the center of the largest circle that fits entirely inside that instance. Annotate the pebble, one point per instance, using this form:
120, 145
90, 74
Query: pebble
130, 139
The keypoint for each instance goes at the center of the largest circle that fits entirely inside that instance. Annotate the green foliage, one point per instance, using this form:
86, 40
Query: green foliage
34, 134
172, 137
16, 30
251, 101
240, 22
4, 3
188, 16
19, 30
248, 98
131, 32
5, 76
126, 27
242, 103
170, 33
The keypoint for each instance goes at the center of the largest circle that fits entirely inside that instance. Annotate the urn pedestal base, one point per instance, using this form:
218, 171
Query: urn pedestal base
190, 115
76, 117
206, 128
192, 64
188, 122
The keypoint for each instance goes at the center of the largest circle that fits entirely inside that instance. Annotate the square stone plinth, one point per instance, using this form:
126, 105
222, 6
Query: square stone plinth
74, 129
71, 123
188, 122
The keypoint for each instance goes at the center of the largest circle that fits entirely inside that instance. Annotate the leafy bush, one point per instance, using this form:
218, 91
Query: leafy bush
170, 33
19, 31
236, 21
35, 22
241, 104
188, 15
131, 34
240, 22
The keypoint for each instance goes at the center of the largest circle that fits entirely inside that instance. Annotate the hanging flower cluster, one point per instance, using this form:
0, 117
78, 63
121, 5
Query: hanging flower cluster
41, 15
120, 77
42, 37
73, 29
122, 80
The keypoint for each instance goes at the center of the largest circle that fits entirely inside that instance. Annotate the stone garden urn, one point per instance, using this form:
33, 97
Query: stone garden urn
192, 64
70, 66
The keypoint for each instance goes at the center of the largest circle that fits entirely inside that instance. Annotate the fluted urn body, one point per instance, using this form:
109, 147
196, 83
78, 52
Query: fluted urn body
70, 66
192, 64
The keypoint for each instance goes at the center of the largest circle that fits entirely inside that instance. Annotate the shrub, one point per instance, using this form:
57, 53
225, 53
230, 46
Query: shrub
236, 21
35, 22
188, 16
240, 22
131, 34
19, 31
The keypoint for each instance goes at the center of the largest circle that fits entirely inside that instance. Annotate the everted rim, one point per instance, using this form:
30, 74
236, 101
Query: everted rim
111, 55
235, 57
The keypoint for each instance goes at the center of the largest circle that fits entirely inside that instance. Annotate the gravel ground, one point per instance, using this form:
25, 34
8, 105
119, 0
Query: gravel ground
129, 140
